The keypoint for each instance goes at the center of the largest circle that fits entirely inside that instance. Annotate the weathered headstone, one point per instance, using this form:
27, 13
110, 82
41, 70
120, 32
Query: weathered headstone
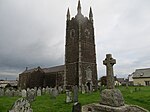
50, 90
12, 92
76, 107
28, 89
35, 89
64, 89
39, 92
31, 95
17, 93
87, 89
24, 93
21, 105
1, 92
75, 93
39, 88
68, 96
60, 90
47, 90
83, 89
91, 88
8, 92
54, 93
43, 91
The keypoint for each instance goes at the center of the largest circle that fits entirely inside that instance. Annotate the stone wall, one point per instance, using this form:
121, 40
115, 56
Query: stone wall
31, 80
41, 79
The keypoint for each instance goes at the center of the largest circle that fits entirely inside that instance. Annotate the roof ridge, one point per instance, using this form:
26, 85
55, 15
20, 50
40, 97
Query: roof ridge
143, 69
54, 66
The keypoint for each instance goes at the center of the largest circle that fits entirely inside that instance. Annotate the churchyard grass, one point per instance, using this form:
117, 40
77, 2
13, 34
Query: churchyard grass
139, 97
6, 103
45, 103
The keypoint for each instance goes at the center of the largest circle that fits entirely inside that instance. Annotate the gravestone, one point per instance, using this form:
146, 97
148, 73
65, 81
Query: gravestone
60, 90
1, 92
17, 93
12, 92
39, 92
21, 105
35, 89
50, 90
47, 90
54, 93
43, 91
28, 89
76, 107
24, 93
87, 89
64, 89
83, 89
8, 92
75, 93
68, 96
111, 98
39, 88
31, 95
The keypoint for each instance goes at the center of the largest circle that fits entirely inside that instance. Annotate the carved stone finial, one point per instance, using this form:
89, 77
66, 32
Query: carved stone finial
79, 7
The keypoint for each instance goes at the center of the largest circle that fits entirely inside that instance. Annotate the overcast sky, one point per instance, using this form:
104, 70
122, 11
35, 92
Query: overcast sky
32, 33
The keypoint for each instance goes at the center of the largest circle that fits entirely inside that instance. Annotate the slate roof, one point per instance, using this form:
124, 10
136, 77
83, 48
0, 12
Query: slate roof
32, 70
120, 80
46, 70
54, 69
141, 73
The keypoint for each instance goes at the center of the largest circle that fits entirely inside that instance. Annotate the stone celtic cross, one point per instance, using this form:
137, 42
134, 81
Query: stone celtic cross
109, 62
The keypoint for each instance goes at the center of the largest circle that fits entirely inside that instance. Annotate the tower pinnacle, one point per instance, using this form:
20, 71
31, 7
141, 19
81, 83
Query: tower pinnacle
68, 14
79, 7
90, 14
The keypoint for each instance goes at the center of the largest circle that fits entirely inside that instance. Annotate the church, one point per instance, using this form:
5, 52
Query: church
80, 66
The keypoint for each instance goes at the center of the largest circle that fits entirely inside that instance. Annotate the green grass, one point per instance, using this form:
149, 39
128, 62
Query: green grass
6, 103
141, 98
46, 104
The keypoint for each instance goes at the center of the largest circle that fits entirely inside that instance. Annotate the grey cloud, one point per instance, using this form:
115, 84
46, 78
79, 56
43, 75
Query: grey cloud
32, 33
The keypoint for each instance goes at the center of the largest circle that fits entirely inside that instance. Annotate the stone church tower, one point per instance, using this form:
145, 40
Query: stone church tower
80, 55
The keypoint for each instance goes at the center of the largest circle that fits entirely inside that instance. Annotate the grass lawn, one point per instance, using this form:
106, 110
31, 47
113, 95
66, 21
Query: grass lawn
6, 103
46, 104
141, 97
